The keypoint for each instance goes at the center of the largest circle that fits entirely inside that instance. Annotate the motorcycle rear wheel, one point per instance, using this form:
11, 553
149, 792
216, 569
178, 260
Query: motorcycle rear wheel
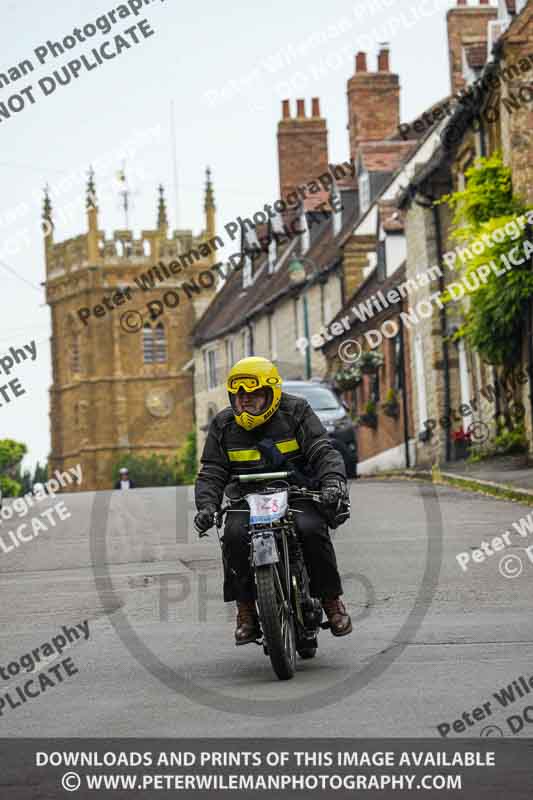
277, 623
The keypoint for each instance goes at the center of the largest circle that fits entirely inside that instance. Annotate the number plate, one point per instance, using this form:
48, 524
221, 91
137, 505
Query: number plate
264, 549
267, 507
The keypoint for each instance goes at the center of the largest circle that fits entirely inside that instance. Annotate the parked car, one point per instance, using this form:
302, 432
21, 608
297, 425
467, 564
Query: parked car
333, 415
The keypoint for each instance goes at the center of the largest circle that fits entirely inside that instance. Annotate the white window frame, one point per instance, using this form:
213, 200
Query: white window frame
272, 337
247, 278
272, 255
211, 367
337, 215
364, 192
420, 383
305, 242
464, 381
230, 352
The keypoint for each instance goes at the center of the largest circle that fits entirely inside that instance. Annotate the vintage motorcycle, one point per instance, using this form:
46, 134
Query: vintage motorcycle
289, 616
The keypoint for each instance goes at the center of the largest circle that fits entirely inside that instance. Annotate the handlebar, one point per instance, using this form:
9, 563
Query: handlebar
293, 491
263, 476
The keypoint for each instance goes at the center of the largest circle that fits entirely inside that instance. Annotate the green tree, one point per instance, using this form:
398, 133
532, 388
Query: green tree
188, 460
11, 454
41, 473
154, 470
493, 311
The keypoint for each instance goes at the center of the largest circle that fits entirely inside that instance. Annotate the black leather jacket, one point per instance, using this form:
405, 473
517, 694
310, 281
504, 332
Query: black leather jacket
295, 437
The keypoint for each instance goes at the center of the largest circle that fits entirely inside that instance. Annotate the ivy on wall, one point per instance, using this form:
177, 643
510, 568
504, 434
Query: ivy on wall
493, 311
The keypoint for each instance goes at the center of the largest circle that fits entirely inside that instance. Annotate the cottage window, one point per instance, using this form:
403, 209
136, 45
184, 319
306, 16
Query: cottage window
272, 338
211, 369
160, 348
397, 376
230, 353
154, 344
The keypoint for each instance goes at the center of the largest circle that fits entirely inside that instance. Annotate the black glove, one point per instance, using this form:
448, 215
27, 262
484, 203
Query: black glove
204, 519
332, 490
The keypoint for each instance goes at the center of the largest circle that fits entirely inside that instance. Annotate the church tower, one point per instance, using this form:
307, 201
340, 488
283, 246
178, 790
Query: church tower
122, 312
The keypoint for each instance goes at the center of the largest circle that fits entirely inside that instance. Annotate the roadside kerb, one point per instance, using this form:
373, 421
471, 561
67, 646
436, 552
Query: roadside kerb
502, 491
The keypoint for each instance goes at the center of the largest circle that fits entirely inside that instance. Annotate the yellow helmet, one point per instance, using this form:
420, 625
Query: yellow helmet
251, 374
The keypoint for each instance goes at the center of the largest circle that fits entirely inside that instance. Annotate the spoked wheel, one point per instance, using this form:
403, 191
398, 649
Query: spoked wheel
277, 623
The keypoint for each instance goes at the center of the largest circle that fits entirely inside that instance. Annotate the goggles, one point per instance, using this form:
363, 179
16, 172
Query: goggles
247, 382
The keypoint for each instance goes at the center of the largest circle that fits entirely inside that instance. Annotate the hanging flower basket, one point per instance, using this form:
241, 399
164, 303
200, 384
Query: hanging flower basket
392, 409
346, 379
370, 361
369, 420
391, 406
369, 417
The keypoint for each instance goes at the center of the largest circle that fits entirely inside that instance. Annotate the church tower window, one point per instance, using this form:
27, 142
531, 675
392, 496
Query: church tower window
154, 344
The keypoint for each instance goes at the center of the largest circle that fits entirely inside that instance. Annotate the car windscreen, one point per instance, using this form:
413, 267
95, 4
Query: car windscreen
319, 398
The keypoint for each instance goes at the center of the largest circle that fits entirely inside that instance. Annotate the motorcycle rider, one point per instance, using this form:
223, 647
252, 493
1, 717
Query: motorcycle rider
265, 428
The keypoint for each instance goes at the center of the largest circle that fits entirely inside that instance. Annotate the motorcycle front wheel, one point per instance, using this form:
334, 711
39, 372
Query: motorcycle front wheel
277, 622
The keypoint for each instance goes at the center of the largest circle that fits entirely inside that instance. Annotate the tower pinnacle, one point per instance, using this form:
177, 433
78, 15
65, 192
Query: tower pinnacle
209, 207
162, 219
209, 194
47, 223
92, 219
91, 191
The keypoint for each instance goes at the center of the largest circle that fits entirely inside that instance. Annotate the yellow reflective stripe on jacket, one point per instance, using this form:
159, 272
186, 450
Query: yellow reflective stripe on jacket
288, 447
244, 455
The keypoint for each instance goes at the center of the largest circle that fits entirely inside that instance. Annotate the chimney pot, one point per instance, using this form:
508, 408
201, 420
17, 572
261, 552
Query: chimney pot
360, 62
383, 60
300, 108
286, 109
316, 106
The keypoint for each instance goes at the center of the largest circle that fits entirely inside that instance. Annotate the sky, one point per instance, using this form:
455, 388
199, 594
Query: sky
224, 70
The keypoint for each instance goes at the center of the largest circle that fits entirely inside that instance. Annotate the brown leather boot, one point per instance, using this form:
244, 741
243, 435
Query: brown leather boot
339, 619
247, 629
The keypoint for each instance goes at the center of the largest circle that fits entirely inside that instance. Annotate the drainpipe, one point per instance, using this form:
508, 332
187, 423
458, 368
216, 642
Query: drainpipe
404, 391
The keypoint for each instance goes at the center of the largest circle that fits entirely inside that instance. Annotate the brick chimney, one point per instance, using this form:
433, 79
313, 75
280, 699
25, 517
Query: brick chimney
467, 24
302, 145
373, 101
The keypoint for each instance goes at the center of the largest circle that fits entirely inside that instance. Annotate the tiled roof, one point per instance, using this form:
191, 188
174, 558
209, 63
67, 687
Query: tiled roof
415, 135
233, 306
368, 287
384, 156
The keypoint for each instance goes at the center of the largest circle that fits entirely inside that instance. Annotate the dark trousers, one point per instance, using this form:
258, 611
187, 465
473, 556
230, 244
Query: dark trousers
317, 547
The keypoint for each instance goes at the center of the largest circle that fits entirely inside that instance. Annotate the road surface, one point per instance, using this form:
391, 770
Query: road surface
431, 642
